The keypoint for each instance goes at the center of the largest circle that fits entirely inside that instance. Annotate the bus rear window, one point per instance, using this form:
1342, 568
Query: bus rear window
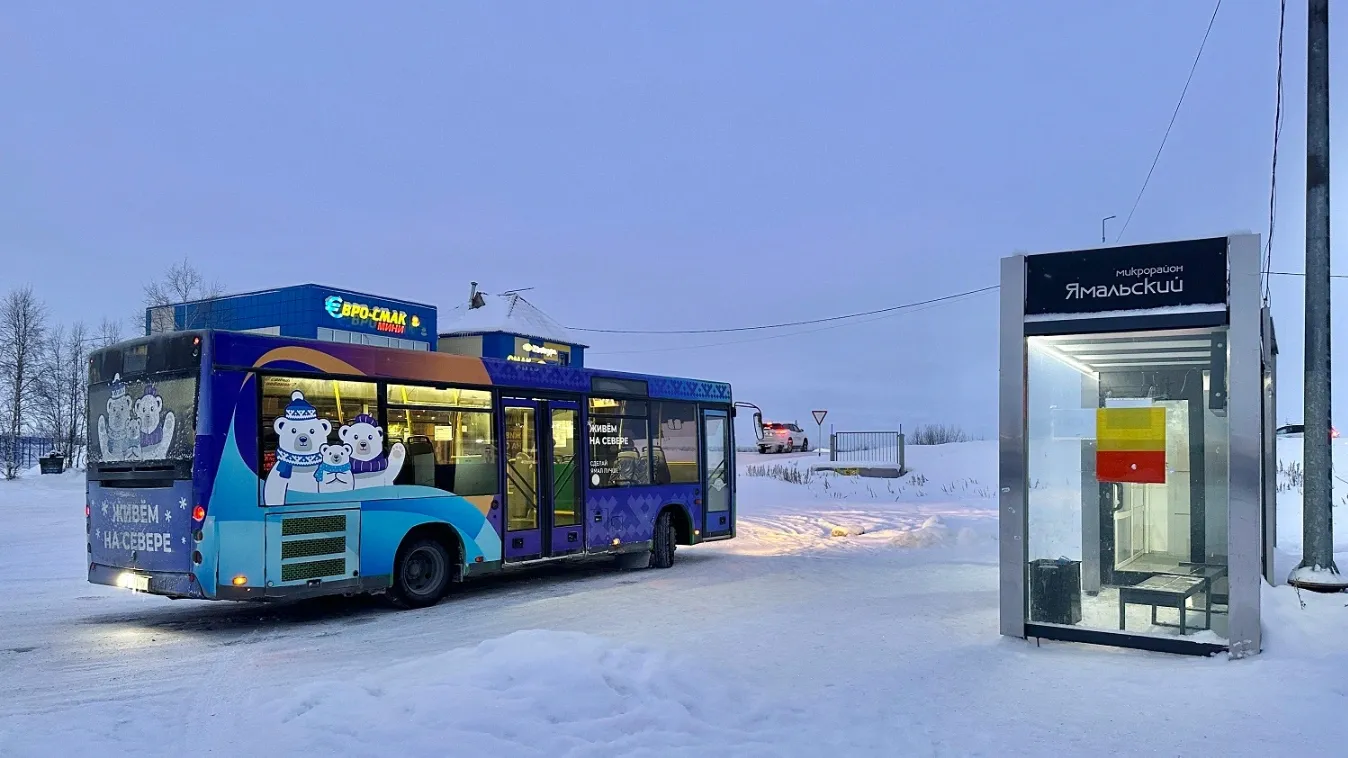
149, 419
168, 353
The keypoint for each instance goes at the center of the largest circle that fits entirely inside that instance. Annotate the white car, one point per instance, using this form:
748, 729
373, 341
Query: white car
783, 438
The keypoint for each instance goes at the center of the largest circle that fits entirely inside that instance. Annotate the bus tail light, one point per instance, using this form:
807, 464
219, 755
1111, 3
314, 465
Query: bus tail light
199, 513
87, 510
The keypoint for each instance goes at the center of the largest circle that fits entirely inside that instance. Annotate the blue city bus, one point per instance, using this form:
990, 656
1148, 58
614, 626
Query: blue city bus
236, 466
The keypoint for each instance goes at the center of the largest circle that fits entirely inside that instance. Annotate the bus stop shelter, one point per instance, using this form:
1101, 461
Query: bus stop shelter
1136, 449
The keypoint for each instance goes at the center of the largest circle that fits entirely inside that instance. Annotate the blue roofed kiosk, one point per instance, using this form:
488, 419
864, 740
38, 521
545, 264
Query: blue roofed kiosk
507, 327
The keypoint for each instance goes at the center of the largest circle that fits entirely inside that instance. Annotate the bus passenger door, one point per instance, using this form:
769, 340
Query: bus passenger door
563, 498
524, 532
716, 473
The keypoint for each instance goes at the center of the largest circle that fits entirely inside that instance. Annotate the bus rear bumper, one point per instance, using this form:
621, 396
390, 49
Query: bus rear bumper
167, 583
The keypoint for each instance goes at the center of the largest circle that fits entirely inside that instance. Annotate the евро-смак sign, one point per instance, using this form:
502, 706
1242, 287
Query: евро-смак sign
1138, 277
383, 319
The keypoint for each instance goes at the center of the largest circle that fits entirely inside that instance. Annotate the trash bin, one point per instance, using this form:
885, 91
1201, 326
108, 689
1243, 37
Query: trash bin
52, 464
1055, 591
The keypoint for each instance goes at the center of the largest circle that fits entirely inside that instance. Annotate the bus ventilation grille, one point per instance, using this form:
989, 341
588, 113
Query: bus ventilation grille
295, 572
310, 548
292, 527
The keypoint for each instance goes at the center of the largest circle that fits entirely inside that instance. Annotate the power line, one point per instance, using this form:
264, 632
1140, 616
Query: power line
1301, 273
1273, 173
915, 308
1171, 125
784, 324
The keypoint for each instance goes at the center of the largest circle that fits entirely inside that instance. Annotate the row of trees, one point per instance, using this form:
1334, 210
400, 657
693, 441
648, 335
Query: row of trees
44, 365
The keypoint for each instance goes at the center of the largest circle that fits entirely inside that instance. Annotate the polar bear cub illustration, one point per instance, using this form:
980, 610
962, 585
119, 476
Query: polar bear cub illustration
334, 473
369, 465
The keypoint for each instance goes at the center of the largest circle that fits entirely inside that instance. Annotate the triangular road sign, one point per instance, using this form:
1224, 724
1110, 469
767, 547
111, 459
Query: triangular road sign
819, 416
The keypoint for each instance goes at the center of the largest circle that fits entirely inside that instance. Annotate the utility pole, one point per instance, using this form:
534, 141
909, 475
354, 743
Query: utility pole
1102, 228
1317, 570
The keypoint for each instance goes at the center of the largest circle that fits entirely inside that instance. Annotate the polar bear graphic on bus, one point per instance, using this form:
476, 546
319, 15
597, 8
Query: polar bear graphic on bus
301, 435
118, 433
305, 462
368, 463
155, 425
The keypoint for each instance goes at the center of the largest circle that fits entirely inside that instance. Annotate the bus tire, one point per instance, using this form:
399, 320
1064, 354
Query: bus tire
421, 575
664, 541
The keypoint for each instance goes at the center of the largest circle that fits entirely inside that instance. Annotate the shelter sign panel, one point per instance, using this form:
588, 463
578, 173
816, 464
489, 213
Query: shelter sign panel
1138, 277
1130, 445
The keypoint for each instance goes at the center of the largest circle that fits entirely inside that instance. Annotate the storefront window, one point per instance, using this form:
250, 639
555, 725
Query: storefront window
1127, 456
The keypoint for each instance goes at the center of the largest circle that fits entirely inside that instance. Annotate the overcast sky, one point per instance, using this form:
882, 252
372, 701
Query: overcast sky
650, 165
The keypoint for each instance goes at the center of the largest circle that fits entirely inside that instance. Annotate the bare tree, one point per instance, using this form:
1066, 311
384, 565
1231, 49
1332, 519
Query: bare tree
21, 344
109, 332
59, 406
180, 284
49, 401
76, 388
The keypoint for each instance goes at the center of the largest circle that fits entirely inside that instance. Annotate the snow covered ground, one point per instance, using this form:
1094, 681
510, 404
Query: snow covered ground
852, 617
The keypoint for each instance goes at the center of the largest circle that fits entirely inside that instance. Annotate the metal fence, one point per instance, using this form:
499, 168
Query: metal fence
24, 450
867, 447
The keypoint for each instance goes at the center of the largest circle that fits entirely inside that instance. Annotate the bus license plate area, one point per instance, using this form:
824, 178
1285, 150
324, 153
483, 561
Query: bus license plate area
133, 581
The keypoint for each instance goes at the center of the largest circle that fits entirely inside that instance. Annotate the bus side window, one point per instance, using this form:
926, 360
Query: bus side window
292, 404
450, 438
674, 436
620, 443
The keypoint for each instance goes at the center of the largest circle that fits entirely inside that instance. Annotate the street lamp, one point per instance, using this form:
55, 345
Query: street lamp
1102, 228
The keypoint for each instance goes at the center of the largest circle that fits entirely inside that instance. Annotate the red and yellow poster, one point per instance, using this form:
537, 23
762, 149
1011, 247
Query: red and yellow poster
1130, 445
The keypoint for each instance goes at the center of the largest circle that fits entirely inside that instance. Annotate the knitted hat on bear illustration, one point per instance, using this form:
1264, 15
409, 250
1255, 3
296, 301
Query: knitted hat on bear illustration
118, 388
364, 418
300, 409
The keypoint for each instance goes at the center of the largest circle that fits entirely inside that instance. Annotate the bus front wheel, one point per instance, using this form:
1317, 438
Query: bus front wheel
422, 575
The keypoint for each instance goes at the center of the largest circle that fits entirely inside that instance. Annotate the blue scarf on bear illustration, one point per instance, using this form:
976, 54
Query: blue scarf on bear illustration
286, 461
328, 468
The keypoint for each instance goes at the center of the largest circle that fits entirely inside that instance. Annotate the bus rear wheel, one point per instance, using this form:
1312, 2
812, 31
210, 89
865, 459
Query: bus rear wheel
664, 543
422, 575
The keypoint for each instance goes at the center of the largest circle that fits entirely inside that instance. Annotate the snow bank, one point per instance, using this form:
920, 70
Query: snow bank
530, 693
934, 532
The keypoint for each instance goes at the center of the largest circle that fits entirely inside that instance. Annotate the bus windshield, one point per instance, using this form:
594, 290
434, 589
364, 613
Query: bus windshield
142, 402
